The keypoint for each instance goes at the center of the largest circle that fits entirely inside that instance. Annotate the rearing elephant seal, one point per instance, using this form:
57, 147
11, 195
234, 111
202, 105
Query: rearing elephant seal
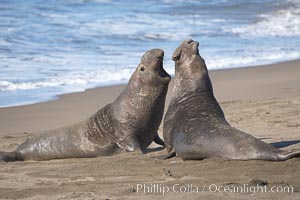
195, 126
129, 123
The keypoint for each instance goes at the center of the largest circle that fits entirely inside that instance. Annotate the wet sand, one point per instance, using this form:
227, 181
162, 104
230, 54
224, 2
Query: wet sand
263, 101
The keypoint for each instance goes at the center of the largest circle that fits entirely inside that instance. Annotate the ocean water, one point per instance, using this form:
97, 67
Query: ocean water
52, 47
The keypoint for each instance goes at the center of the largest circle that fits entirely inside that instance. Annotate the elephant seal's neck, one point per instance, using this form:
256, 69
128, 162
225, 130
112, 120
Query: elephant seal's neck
186, 85
141, 97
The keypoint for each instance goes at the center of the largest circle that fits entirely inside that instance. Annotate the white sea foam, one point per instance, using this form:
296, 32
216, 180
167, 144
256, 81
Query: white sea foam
146, 27
284, 22
82, 79
217, 62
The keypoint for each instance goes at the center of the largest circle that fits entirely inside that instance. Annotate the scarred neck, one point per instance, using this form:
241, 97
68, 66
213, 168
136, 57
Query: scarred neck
185, 84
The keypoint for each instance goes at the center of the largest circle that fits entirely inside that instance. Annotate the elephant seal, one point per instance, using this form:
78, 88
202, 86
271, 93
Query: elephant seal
129, 123
195, 126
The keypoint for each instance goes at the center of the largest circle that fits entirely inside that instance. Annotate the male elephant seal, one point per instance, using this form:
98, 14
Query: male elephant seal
129, 123
195, 126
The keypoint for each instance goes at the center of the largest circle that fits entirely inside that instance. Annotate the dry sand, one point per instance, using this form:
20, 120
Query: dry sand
263, 101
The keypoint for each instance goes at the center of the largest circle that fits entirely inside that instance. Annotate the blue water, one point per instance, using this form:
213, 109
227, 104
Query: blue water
53, 47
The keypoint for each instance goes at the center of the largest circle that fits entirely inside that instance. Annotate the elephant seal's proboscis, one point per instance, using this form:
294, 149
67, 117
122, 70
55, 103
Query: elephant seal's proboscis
129, 123
195, 126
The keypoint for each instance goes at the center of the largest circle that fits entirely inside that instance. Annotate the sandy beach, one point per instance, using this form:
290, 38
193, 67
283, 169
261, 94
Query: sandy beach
263, 101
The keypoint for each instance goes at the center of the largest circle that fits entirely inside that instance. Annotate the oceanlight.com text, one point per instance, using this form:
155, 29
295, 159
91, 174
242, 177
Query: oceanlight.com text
158, 188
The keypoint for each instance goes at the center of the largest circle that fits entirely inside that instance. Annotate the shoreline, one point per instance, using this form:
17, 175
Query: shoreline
244, 83
57, 97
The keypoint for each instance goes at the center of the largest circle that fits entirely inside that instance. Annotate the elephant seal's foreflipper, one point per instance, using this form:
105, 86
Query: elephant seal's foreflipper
129, 123
195, 126
158, 140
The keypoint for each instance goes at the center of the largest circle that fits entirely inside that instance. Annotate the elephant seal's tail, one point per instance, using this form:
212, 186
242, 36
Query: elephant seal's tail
285, 155
8, 156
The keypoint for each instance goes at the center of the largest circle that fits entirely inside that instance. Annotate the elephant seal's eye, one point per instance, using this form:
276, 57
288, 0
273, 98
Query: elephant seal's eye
142, 69
175, 58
